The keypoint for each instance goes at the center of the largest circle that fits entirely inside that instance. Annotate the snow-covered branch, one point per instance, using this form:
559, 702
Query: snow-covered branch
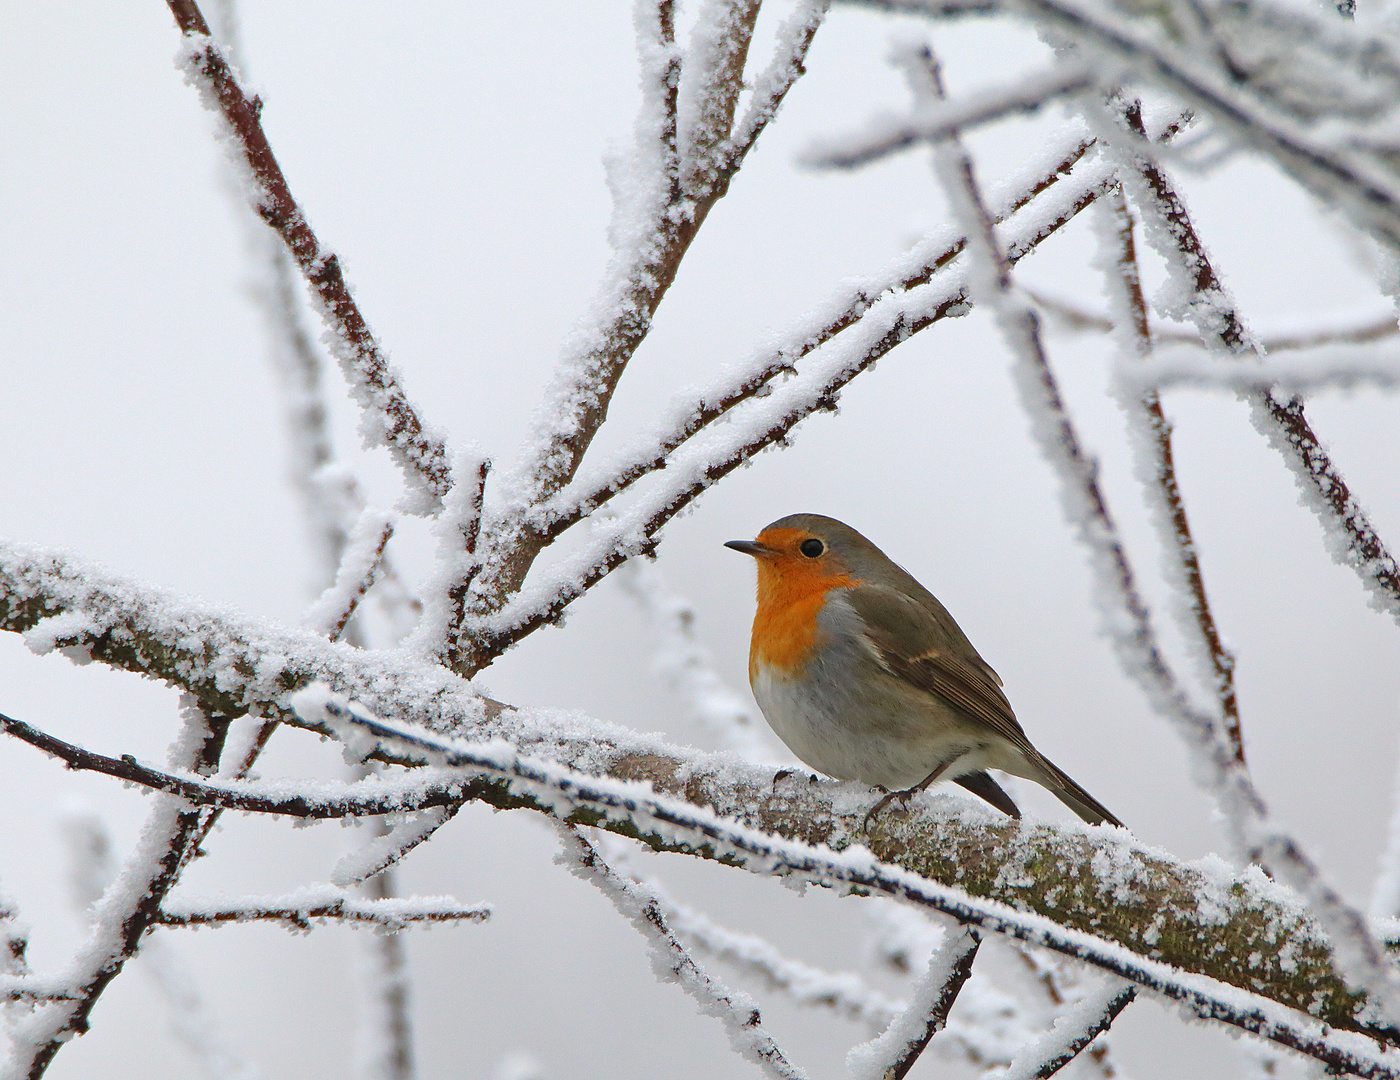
672, 962
127, 909
717, 825
663, 218
354, 577
1126, 617
892, 1055
1156, 470
388, 417
1071, 1033
301, 909
1175, 921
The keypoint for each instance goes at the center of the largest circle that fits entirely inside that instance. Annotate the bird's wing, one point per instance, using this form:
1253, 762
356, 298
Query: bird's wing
914, 646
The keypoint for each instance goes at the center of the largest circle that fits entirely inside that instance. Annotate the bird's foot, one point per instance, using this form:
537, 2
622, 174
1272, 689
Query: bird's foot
890, 796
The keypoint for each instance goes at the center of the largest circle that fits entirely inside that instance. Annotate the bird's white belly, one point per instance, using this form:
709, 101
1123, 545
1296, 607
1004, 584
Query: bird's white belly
875, 738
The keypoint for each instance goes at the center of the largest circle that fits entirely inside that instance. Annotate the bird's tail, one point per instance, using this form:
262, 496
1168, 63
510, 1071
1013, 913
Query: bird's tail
1055, 780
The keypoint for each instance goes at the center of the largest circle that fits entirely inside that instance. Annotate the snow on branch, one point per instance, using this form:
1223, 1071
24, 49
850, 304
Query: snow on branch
323, 801
127, 909
767, 420
1071, 1034
1340, 330
1140, 914
753, 378
667, 823
1151, 447
794, 38
892, 1055
844, 993
1259, 110
1126, 617
938, 119
672, 962
388, 418
710, 87
354, 577
1334, 367
312, 904
657, 220
93, 869
390, 846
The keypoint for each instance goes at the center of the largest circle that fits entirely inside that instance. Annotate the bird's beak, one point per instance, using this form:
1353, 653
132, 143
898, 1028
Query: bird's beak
751, 547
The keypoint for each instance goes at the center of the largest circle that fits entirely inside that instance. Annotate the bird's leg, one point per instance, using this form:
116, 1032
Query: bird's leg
903, 796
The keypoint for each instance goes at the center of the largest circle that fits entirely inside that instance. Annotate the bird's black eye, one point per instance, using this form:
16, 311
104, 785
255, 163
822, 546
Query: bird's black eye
811, 548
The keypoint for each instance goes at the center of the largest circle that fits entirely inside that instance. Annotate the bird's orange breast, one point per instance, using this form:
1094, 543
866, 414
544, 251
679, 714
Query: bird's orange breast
791, 593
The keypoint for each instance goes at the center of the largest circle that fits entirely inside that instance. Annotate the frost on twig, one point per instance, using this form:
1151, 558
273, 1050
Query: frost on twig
936, 119
354, 577
1218, 770
844, 993
892, 1055
388, 845
673, 963
661, 219
312, 904
709, 90
92, 868
1199, 293
388, 417
1072, 1033
127, 908
1156, 469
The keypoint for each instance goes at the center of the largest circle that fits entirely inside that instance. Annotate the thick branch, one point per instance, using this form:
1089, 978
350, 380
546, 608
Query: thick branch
1158, 912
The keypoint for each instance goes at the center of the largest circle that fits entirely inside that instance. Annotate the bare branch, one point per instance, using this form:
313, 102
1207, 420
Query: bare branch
388, 416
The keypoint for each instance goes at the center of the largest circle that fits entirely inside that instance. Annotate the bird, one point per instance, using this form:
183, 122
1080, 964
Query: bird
865, 676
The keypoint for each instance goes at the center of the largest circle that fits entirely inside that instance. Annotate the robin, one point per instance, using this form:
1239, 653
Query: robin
865, 676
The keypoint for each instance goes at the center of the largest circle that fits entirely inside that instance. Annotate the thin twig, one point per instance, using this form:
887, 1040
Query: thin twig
1072, 1034
419, 452
230, 794
673, 962
128, 910
1165, 501
387, 913
589, 377
893, 1054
